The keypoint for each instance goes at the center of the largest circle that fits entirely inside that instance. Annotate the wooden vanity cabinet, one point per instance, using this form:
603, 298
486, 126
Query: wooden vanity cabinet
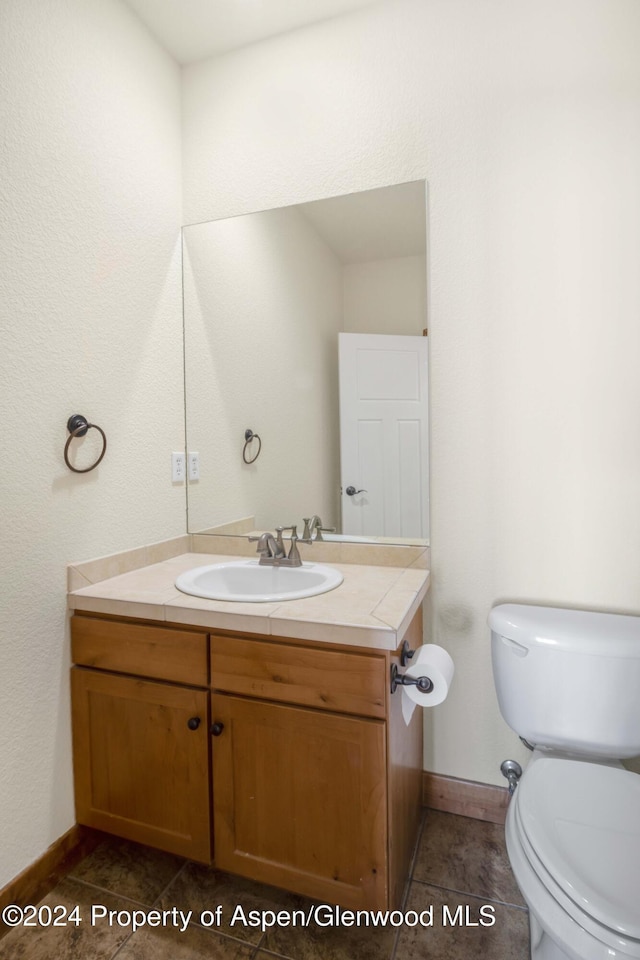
301, 760
141, 746
317, 780
300, 798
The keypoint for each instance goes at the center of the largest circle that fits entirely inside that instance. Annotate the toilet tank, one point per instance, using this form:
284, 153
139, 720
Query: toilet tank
568, 679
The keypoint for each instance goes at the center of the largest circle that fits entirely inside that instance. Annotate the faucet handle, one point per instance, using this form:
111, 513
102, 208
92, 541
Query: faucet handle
294, 531
326, 530
264, 547
294, 553
294, 537
280, 531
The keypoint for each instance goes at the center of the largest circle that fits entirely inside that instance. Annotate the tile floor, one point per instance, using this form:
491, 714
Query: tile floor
459, 862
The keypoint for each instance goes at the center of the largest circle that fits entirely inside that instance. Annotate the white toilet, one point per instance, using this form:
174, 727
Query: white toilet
568, 682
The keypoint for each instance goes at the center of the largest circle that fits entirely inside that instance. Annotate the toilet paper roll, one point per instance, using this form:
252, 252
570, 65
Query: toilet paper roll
434, 662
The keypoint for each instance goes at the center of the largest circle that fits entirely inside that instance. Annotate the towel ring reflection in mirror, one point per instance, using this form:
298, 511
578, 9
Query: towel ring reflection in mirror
78, 426
249, 435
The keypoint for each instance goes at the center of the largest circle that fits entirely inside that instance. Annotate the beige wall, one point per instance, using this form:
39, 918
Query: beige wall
386, 296
90, 321
524, 120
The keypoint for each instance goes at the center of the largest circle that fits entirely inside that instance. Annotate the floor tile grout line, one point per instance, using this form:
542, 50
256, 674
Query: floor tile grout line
467, 893
272, 953
113, 956
122, 945
111, 893
407, 887
414, 857
258, 946
201, 926
211, 932
226, 936
397, 936
170, 883
94, 886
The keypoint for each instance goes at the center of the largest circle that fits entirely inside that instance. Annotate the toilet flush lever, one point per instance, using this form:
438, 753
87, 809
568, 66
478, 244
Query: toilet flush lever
518, 648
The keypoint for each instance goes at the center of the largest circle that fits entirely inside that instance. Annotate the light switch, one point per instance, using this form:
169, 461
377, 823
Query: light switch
178, 467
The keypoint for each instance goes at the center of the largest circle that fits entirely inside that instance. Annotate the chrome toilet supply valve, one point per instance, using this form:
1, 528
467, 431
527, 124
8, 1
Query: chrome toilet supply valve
512, 770
424, 684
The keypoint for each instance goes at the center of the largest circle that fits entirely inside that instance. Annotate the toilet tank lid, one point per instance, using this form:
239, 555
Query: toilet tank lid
574, 631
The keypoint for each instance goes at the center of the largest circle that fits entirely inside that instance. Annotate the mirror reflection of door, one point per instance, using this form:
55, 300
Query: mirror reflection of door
384, 435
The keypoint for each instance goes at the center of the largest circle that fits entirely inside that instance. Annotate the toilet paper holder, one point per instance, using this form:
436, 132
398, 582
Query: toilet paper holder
406, 653
424, 684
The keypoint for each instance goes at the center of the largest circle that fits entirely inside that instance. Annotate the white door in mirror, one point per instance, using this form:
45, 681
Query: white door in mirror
384, 439
246, 581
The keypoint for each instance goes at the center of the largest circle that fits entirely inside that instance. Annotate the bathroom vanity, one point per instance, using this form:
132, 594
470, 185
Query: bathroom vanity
280, 757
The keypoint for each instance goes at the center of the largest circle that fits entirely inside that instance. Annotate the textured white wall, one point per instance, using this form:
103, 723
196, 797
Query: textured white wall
386, 296
263, 307
524, 120
90, 320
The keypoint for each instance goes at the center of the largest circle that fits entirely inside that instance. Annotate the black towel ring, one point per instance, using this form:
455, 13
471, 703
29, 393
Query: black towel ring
249, 435
78, 426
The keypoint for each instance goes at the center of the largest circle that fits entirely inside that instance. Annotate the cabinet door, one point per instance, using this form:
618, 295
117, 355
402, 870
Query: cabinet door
300, 800
141, 761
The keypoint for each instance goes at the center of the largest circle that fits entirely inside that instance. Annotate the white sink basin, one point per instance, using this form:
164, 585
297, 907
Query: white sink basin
246, 581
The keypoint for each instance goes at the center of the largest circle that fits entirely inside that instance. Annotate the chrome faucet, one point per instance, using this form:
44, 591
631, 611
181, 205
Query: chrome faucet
268, 548
315, 523
272, 550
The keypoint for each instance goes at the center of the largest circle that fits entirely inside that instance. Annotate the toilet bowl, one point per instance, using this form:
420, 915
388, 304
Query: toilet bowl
567, 682
573, 839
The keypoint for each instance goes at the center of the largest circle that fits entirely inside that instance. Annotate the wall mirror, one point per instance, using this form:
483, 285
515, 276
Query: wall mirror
306, 325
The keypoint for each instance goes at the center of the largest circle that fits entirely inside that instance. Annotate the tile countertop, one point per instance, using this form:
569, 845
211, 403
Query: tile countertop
373, 607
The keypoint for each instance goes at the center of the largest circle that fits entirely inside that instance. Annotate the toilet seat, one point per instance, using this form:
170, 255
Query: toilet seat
604, 934
579, 827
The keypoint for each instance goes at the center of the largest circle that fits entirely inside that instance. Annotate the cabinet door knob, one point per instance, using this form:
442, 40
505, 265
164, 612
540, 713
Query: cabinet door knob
193, 723
216, 729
